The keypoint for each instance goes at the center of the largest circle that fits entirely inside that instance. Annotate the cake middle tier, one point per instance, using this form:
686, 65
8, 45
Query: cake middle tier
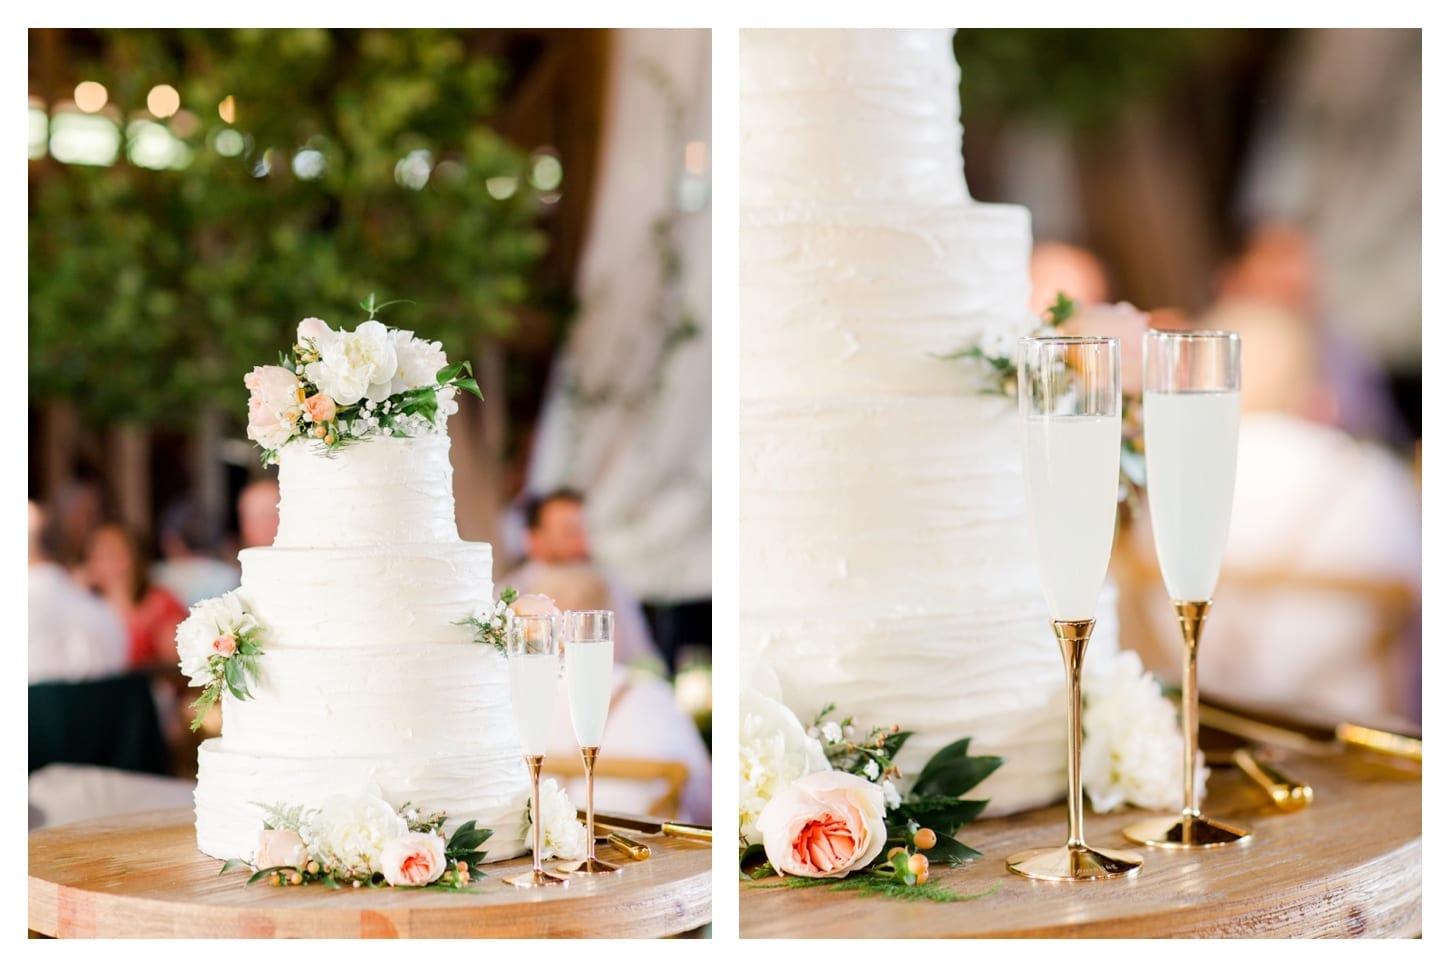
340, 598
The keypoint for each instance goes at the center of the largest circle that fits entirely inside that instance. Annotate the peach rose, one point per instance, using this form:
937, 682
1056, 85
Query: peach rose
1122, 320
321, 408
534, 606
224, 645
413, 859
280, 847
826, 824
272, 408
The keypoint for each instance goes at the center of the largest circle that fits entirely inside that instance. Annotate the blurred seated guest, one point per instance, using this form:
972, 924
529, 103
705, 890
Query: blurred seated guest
74, 635
1074, 271
190, 568
1321, 574
116, 569
645, 723
76, 510
257, 514
557, 534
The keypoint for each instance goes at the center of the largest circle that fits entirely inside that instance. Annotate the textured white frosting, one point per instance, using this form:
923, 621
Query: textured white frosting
886, 558
368, 683
387, 490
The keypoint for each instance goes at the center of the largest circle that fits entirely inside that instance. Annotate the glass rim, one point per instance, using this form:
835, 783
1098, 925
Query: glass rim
588, 611
1068, 340
1190, 334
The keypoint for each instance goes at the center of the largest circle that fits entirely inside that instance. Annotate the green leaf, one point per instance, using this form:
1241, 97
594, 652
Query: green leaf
951, 772
951, 852
448, 373
263, 874
1061, 310
943, 814
230, 865
470, 386
467, 838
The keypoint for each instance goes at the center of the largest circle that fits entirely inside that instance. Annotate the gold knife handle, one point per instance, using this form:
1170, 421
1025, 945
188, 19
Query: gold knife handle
1286, 792
700, 834
1378, 740
627, 846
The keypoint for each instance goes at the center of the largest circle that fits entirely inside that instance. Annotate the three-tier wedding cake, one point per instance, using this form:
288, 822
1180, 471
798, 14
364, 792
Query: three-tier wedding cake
886, 564
367, 682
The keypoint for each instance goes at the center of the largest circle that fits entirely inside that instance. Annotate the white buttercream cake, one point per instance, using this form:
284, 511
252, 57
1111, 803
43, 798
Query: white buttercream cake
886, 564
367, 683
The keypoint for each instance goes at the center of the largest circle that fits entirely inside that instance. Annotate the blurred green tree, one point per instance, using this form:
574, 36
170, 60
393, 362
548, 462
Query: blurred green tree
323, 165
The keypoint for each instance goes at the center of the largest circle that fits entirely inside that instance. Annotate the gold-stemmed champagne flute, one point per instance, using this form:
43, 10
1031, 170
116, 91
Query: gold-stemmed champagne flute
1069, 392
1190, 442
533, 659
589, 675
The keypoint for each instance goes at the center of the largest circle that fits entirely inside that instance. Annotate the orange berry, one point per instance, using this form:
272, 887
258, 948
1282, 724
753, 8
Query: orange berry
923, 876
276, 879
321, 431
463, 866
918, 864
895, 850
328, 439
296, 878
924, 838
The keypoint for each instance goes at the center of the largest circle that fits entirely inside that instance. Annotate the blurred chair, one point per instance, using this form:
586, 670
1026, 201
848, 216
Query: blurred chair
104, 721
661, 779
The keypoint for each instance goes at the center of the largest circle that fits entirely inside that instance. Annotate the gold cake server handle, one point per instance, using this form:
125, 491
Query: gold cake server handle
1288, 793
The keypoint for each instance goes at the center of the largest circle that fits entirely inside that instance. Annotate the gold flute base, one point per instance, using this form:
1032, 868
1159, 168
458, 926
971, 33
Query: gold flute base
530, 879
1065, 863
1185, 832
587, 867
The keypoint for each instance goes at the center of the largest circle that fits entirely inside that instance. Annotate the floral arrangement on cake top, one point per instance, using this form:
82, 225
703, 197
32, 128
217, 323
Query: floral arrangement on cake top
820, 804
217, 645
340, 386
361, 840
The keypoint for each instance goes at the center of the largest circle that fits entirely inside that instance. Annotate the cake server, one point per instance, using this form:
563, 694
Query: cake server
645, 824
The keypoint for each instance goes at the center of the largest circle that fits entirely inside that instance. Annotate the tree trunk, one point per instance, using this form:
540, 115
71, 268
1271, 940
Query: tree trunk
129, 446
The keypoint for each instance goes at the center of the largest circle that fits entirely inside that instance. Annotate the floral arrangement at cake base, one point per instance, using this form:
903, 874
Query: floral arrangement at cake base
361, 840
820, 804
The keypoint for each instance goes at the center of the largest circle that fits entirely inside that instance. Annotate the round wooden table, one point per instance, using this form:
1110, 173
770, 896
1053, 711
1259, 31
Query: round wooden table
1348, 865
142, 876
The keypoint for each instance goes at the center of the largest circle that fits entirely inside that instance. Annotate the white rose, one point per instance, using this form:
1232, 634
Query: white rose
774, 752
418, 361
209, 619
349, 833
357, 364
564, 835
1132, 749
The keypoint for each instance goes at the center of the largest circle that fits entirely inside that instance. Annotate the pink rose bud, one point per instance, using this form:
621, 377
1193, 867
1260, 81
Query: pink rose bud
321, 408
311, 329
224, 645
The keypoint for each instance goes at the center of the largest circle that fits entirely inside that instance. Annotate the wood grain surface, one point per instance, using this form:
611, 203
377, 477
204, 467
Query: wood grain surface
1349, 865
142, 876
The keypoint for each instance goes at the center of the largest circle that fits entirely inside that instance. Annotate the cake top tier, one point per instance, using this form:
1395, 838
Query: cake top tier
339, 387
849, 116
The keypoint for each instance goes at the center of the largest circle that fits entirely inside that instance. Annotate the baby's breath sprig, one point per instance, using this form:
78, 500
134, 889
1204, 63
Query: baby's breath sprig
490, 624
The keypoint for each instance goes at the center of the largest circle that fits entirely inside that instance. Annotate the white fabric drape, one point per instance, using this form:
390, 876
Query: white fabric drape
626, 419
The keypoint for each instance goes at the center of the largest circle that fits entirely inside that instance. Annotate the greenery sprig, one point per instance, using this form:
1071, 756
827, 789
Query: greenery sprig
491, 627
233, 673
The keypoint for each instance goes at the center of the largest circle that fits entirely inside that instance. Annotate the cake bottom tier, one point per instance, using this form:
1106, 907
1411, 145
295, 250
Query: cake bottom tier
234, 789
940, 677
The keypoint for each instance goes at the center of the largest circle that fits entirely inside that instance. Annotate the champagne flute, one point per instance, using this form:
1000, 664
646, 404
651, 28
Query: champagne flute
589, 674
1190, 441
533, 659
1069, 393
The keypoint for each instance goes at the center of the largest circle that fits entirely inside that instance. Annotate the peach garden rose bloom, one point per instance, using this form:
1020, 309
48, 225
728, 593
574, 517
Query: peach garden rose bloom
321, 408
280, 847
1122, 320
224, 645
413, 859
826, 824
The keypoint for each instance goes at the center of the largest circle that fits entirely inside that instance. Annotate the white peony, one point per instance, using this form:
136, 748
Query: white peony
564, 835
774, 752
350, 833
1132, 750
209, 620
418, 361
356, 364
